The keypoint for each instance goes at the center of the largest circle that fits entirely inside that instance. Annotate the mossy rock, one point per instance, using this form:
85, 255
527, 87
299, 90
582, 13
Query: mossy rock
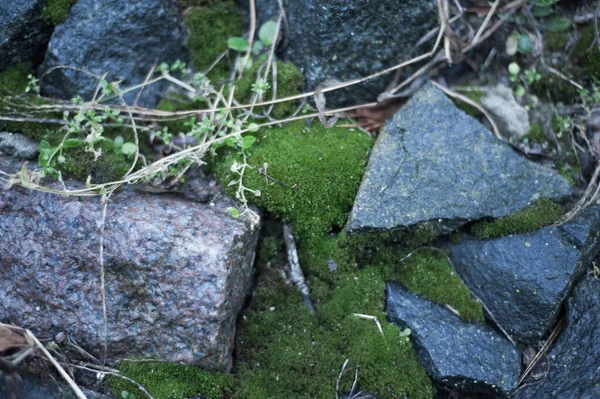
56, 11
290, 81
210, 28
314, 173
110, 166
530, 219
169, 381
585, 56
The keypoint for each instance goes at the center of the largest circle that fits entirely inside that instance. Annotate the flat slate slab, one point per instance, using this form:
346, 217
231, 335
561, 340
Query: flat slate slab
523, 279
434, 163
470, 357
574, 360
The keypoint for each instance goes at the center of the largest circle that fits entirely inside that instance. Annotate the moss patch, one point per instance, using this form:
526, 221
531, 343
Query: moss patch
170, 381
536, 134
56, 11
555, 41
556, 89
210, 28
319, 170
585, 55
539, 214
110, 166
13, 81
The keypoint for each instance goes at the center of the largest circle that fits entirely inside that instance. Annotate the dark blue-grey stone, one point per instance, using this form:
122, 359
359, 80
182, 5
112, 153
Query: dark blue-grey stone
343, 40
23, 32
574, 360
470, 357
434, 163
123, 38
523, 279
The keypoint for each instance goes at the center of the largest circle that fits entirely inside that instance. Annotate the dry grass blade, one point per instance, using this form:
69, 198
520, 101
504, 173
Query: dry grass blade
369, 317
543, 349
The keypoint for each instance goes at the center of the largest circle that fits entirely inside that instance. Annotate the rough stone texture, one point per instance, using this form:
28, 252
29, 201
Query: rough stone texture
470, 357
22, 386
434, 163
17, 145
575, 357
524, 279
23, 32
177, 273
512, 119
369, 36
123, 38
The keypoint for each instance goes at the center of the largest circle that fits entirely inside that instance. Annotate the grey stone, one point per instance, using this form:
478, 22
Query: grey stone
512, 119
177, 273
523, 279
123, 38
434, 163
18, 146
469, 357
23, 32
369, 36
574, 359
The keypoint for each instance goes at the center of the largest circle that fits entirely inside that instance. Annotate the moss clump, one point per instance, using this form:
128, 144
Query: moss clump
473, 94
210, 28
13, 81
536, 134
170, 381
57, 10
110, 166
585, 56
539, 214
556, 89
319, 171
290, 81
555, 41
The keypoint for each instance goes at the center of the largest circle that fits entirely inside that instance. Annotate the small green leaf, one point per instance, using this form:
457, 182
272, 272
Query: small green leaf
541, 12
512, 44
560, 24
129, 148
525, 44
257, 47
69, 143
253, 127
229, 142
267, 32
237, 44
119, 141
247, 142
233, 212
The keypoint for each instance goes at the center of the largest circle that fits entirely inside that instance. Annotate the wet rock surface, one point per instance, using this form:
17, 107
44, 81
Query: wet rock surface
434, 163
123, 38
470, 357
23, 32
367, 38
177, 272
574, 358
18, 146
523, 279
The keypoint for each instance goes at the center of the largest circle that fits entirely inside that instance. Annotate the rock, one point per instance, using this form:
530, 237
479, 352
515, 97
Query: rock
18, 146
470, 357
23, 32
369, 36
123, 38
177, 273
574, 358
523, 279
434, 163
512, 119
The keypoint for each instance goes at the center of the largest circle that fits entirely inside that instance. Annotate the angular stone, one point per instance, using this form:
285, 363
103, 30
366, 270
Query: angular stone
123, 38
510, 116
177, 273
434, 163
18, 146
574, 360
23, 32
369, 36
470, 357
523, 279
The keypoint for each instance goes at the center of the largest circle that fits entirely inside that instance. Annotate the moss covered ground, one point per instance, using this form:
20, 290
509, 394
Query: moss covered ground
57, 10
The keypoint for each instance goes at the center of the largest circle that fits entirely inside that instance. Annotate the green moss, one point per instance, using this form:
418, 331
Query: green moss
555, 88
570, 173
473, 94
210, 28
539, 214
536, 134
110, 166
319, 170
13, 81
555, 41
56, 11
290, 81
170, 381
585, 56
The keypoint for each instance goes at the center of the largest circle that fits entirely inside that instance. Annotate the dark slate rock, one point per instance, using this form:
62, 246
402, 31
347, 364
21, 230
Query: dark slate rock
123, 38
434, 163
575, 357
24, 34
18, 146
470, 357
369, 36
523, 279
177, 273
